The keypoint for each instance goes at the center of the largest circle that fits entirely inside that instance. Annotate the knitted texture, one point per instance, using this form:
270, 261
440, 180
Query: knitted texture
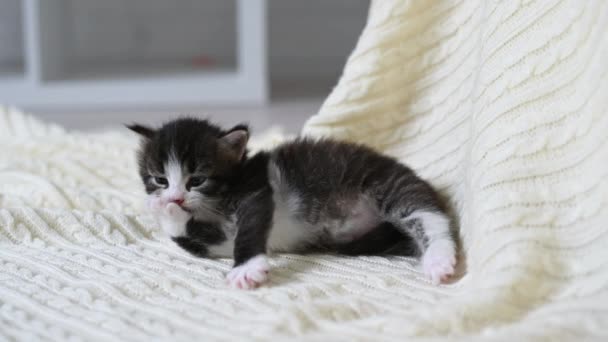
501, 105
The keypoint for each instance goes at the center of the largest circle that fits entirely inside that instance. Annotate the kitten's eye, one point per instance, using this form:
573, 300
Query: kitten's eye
161, 181
193, 182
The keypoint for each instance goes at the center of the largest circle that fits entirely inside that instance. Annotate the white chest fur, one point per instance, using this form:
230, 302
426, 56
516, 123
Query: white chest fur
226, 248
289, 234
223, 250
286, 234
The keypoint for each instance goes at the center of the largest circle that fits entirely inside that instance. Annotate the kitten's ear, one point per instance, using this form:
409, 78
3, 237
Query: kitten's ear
144, 131
235, 141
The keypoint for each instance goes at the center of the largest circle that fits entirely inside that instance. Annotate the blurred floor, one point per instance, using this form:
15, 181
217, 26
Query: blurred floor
291, 104
288, 114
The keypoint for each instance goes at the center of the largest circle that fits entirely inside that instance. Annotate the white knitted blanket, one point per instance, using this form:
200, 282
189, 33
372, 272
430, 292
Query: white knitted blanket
502, 105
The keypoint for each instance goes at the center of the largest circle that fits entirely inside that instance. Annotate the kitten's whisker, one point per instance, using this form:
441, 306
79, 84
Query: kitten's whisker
211, 209
215, 211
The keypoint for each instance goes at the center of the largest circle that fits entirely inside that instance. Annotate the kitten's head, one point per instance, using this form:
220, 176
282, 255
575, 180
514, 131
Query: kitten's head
188, 161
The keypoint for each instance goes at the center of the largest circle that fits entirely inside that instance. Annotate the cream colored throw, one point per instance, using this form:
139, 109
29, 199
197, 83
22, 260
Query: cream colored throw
502, 105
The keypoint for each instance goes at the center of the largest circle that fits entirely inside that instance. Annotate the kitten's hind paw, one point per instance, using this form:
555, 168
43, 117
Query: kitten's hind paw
249, 275
439, 261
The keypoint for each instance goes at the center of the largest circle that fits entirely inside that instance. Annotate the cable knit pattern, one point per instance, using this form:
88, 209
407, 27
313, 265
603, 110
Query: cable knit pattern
501, 104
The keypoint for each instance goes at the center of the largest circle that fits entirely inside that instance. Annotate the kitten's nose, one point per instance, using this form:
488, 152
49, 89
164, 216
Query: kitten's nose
178, 201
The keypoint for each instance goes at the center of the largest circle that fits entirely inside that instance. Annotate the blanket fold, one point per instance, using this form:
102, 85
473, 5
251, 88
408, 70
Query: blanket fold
503, 107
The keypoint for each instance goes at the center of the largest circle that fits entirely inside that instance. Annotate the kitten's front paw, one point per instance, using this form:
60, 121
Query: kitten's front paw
439, 260
154, 204
174, 219
249, 275
176, 212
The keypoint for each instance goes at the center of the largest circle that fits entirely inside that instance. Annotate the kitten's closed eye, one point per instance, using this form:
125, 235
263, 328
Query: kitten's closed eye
161, 181
193, 182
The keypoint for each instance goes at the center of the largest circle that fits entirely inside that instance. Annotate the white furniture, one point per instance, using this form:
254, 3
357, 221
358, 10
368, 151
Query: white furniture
46, 78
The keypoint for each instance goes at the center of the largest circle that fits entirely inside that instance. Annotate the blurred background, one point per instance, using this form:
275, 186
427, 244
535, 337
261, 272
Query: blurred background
89, 64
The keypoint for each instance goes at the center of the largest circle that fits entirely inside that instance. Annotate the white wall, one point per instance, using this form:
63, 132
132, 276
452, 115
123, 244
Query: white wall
312, 38
151, 30
307, 38
11, 41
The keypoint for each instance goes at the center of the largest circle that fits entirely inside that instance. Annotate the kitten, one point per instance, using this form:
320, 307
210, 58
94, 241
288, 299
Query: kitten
305, 195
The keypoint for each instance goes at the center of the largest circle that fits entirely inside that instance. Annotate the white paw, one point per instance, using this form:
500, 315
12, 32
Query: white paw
439, 260
154, 204
173, 220
176, 212
249, 275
